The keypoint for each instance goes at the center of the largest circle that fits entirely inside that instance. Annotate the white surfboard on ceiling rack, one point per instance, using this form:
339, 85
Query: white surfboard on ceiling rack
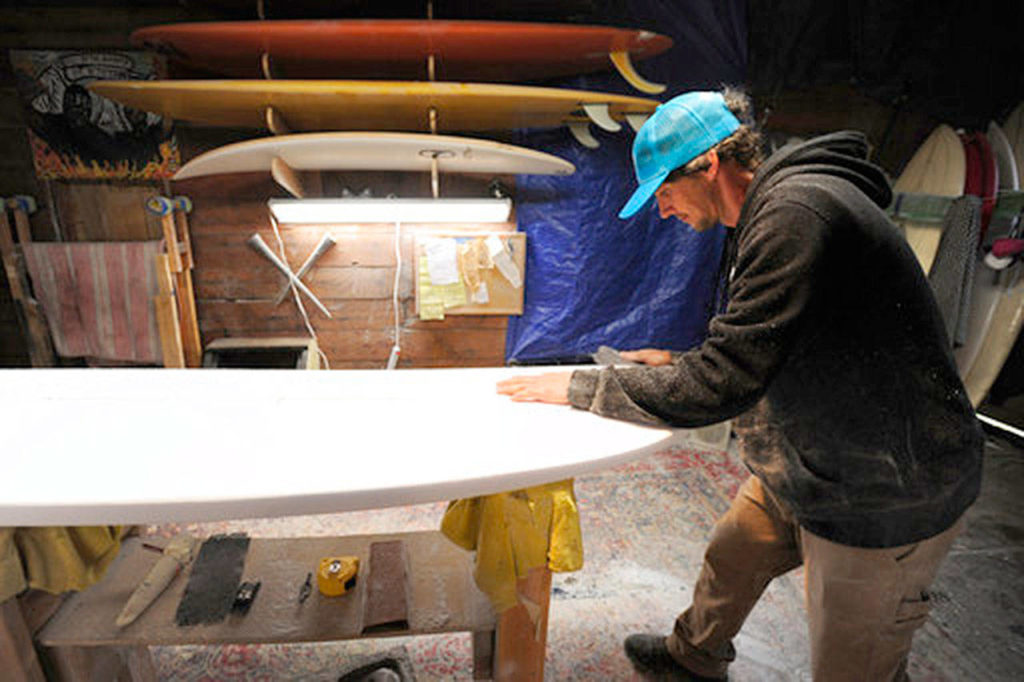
375, 151
939, 168
291, 158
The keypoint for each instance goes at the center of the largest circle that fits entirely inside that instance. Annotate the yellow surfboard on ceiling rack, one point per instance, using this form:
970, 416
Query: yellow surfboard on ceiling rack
339, 105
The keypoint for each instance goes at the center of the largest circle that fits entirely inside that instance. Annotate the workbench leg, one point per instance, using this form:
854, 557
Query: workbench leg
139, 663
483, 655
520, 639
84, 664
20, 663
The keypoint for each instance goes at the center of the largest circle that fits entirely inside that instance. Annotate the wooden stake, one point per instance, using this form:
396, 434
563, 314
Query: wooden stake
172, 218
30, 313
167, 315
190, 339
171, 239
22, 206
182, 205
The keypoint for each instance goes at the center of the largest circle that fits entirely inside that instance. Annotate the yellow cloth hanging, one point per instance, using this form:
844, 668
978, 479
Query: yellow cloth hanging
55, 559
515, 531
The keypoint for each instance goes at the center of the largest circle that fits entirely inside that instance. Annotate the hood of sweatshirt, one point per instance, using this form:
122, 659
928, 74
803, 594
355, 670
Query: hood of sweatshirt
842, 154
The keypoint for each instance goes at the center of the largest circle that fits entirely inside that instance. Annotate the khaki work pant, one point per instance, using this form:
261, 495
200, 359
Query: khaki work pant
863, 605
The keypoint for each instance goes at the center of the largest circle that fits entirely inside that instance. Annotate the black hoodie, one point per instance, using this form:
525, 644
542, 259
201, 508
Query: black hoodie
834, 352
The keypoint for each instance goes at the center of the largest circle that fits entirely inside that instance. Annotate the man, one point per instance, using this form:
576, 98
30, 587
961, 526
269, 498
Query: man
831, 353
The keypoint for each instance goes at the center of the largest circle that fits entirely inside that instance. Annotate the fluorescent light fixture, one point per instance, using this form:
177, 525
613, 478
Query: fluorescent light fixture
358, 210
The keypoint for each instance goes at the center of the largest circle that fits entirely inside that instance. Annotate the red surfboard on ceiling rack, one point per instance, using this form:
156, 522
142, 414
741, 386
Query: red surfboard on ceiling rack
487, 51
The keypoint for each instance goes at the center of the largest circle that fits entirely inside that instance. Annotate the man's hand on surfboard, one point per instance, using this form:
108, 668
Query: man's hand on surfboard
647, 356
550, 388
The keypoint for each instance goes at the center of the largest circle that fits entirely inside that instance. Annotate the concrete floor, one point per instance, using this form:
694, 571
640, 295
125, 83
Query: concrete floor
645, 526
976, 628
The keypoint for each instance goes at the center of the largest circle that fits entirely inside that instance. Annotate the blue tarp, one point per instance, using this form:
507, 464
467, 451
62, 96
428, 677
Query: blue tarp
592, 279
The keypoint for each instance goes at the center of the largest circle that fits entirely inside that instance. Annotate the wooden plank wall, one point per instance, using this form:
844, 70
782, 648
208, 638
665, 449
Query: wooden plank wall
235, 285
64, 24
233, 282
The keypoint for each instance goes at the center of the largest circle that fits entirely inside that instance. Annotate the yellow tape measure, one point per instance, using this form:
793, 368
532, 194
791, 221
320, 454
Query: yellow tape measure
336, 575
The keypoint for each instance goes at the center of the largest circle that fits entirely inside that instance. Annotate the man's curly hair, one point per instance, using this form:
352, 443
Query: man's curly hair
745, 146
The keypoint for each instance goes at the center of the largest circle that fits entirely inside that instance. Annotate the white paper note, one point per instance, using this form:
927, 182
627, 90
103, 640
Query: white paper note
442, 262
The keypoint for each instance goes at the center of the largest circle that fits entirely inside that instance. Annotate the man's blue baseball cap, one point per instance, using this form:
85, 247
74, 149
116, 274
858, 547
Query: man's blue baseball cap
677, 132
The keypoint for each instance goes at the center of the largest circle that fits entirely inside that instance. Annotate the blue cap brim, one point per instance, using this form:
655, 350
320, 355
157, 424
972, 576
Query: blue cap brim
642, 195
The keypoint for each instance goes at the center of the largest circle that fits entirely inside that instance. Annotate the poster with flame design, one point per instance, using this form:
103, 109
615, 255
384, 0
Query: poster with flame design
75, 134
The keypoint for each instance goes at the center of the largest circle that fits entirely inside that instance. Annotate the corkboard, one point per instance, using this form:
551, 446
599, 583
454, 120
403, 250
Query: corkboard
503, 297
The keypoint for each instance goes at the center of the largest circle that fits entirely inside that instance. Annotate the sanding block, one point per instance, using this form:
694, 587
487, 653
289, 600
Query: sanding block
213, 584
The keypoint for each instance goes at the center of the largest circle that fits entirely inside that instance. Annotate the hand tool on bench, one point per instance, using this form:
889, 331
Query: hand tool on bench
179, 551
336, 575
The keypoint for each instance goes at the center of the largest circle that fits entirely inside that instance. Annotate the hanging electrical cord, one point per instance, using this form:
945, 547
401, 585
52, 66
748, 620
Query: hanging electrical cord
396, 349
295, 293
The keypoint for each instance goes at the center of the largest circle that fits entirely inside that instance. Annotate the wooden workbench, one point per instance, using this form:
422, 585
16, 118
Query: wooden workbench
441, 597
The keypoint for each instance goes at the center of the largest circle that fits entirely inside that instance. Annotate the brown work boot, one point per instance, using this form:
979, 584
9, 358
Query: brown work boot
650, 656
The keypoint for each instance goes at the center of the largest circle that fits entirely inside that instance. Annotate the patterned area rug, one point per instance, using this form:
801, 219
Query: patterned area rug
645, 526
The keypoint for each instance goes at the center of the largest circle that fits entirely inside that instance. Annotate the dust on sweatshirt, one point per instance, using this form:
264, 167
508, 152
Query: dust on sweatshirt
831, 354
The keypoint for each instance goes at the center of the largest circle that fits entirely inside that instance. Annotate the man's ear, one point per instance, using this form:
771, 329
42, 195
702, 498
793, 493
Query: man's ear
713, 163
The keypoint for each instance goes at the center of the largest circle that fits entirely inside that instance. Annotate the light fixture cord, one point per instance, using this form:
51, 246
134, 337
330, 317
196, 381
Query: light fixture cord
295, 292
396, 349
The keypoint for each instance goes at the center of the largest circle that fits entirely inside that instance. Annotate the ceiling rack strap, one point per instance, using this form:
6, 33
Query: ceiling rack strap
432, 118
435, 183
276, 123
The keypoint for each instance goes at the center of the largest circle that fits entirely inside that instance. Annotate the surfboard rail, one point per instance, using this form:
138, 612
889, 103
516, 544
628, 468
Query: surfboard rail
386, 151
458, 50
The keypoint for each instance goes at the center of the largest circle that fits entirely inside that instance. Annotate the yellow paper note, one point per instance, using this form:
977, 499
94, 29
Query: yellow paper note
433, 299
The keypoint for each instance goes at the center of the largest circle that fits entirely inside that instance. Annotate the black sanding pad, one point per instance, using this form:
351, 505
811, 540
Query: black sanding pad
214, 581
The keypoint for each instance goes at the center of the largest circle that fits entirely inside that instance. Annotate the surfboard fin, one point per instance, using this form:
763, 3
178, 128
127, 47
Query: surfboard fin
624, 65
276, 123
600, 115
300, 184
636, 121
581, 131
